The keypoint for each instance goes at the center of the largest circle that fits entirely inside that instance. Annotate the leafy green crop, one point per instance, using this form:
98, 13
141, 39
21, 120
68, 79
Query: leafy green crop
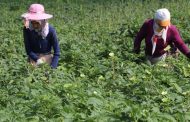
98, 79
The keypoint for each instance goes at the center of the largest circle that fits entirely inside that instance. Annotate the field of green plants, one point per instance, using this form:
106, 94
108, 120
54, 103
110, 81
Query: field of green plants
98, 79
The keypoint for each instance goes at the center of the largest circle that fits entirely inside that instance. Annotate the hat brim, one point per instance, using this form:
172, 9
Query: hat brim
164, 23
37, 16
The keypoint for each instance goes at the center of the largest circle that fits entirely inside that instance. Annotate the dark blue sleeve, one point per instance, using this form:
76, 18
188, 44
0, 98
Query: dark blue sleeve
56, 49
29, 52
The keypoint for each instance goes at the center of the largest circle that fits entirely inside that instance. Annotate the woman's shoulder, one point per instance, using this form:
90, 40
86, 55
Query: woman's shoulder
51, 28
173, 28
149, 21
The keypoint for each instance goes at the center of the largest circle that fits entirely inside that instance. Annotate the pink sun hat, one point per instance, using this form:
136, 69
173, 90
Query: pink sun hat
36, 12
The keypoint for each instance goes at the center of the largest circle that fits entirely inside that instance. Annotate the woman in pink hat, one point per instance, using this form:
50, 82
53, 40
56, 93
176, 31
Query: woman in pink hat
158, 34
40, 37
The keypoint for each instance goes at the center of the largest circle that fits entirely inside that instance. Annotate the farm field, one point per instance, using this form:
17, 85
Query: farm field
98, 78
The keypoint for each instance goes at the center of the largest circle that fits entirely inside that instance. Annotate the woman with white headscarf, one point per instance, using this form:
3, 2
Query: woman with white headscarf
158, 34
40, 37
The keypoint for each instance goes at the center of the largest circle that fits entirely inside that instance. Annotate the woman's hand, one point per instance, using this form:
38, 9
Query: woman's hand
39, 61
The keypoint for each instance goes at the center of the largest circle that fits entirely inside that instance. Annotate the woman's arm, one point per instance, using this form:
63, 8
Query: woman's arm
179, 43
29, 52
140, 36
56, 49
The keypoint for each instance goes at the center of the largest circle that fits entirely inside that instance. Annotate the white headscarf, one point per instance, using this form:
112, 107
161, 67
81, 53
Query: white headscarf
162, 15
